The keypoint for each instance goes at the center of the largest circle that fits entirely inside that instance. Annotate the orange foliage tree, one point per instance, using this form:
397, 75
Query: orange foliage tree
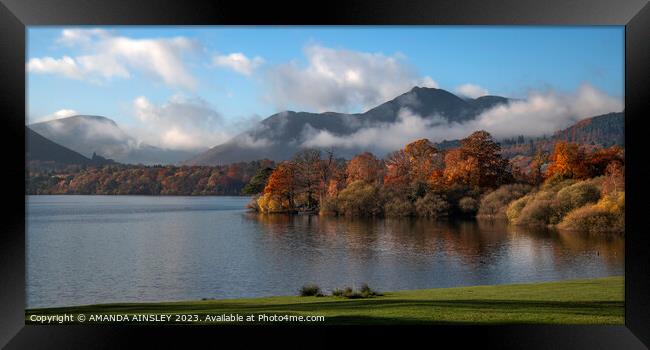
282, 185
568, 160
598, 161
459, 169
413, 164
477, 163
365, 167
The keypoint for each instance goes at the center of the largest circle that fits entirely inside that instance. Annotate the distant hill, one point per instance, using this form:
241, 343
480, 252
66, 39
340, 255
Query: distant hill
40, 149
280, 136
42, 154
88, 134
600, 131
604, 130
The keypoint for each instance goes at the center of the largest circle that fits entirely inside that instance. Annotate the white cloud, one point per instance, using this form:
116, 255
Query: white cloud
541, 113
238, 62
78, 36
471, 90
179, 123
248, 141
341, 80
108, 56
65, 66
62, 113
546, 112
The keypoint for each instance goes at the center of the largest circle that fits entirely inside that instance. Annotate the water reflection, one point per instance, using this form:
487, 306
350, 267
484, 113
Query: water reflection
474, 243
99, 249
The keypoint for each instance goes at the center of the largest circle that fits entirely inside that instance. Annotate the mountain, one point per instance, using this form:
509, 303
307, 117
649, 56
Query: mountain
603, 130
88, 134
280, 136
600, 131
40, 149
43, 154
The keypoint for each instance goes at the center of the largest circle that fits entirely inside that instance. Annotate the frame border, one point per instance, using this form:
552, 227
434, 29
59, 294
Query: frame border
15, 15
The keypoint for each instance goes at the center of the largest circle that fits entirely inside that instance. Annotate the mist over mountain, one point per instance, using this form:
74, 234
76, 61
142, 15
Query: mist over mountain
421, 112
281, 135
39, 148
44, 154
88, 134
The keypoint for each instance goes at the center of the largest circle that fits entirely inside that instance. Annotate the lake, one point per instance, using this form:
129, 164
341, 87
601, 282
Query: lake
100, 249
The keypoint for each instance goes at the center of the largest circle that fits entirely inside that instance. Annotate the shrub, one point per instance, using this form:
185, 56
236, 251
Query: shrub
576, 196
329, 206
468, 205
269, 204
432, 205
359, 199
593, 218
556, 183
253, 205
614, 203
364, 292
399, 206
311, 290
495, 203
514, 209
536, 212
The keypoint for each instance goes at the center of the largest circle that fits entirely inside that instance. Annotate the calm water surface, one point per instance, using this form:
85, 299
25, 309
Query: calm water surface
99, 249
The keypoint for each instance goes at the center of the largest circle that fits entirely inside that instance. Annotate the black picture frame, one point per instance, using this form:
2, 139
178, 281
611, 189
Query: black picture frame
15, 15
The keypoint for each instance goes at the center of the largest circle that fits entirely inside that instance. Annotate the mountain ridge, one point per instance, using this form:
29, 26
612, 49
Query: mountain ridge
285, 131
88, 134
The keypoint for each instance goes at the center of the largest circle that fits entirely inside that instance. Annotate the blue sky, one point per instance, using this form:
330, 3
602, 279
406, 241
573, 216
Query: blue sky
239, 74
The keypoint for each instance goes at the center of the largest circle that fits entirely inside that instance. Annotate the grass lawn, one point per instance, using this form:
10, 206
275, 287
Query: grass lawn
588, 301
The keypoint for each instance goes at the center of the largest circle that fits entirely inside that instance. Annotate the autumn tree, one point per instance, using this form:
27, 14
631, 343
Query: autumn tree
614, 178
398, 167
459, 169
328, 170
423, 158
258, 182
281, 186
597, 162
491, 169
413, 164
477, 163
365, 167
307, 164
567, 161
539, 159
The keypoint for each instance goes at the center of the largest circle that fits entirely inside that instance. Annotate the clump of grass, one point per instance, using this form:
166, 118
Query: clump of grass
364, 292
311, 290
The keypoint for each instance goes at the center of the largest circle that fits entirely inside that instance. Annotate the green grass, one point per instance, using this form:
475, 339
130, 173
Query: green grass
589, 301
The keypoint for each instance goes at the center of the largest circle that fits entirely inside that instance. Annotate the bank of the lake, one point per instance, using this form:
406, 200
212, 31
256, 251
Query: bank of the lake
584, 301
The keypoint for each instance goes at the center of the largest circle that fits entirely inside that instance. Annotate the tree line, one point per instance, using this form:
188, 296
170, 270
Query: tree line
423, 181
232, 179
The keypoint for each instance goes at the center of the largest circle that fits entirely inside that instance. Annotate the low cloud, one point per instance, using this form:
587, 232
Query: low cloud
471, 90
107, 56
179, 123
542, 113
341, 80
238, 62
248, 141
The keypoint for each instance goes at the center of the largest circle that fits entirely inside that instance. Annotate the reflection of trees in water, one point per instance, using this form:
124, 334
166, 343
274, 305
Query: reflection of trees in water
610, 247
473, 242
567, 248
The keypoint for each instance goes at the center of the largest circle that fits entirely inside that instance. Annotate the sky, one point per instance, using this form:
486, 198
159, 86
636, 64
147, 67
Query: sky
197, 86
